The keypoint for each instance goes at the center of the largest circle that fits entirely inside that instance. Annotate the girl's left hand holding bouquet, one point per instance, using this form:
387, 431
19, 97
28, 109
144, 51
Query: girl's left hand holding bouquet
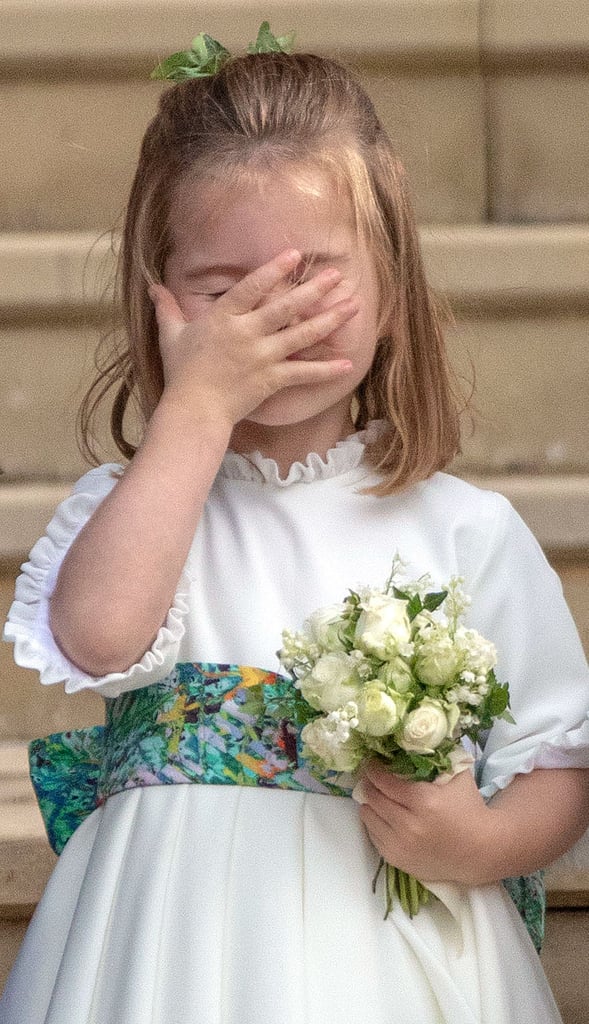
119, 577
447, 833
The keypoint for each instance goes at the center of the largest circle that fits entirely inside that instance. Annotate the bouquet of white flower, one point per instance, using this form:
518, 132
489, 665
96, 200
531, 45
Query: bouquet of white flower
394, 673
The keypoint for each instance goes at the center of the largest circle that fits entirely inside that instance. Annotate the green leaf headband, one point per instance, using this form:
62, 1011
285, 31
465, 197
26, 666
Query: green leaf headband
206, 56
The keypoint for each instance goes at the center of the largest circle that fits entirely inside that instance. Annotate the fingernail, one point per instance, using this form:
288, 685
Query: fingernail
359, 792
292, 256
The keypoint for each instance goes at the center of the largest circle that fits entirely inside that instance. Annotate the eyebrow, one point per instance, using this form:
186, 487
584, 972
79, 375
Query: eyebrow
231, 269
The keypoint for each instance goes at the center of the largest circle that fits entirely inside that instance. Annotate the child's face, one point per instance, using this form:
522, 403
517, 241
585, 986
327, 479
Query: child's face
221, 234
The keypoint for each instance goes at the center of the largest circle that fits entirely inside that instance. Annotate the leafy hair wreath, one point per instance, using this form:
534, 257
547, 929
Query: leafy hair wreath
206, 56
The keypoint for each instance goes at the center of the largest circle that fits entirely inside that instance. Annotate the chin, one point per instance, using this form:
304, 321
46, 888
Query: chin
284, 413
298, 404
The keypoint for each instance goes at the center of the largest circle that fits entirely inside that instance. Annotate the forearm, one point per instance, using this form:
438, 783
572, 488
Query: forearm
119, 577
534, 821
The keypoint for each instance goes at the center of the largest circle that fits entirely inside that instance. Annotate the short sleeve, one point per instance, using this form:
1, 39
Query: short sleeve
28, 628
517, 602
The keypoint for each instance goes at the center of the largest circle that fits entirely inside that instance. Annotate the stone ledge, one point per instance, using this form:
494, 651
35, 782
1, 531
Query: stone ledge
556, 508
509, 267
54, 271
72, 34
135, 30
484, 266
509, 26
25, 510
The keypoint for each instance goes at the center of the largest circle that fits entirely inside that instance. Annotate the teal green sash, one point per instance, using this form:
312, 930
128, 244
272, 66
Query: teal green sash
204, 723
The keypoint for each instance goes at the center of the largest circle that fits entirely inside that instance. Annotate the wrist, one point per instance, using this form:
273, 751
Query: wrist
206, 410
490, 861
174, 420
504, 850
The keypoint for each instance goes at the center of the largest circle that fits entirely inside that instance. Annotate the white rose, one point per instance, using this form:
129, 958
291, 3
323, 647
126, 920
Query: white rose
383, 626
426, 727
438, 661
332, 682
378, 712
324, 625
322, 738
396, 673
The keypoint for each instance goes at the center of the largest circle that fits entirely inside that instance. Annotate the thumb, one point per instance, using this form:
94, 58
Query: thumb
169, 316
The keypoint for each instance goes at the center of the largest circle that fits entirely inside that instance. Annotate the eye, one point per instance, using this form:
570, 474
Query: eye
211, 295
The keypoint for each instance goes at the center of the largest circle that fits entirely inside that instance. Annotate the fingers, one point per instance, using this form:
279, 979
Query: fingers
297, 302
168, 314
247, 294
307, 333
379, 780
291, 374
275, 304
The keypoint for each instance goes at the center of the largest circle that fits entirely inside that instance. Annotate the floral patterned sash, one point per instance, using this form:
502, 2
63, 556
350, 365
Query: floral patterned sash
204, 723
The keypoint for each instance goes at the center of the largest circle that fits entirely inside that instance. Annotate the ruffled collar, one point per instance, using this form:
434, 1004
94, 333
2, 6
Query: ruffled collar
346, 456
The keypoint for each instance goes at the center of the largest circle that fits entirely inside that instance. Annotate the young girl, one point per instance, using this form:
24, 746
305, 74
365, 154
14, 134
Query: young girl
288, 364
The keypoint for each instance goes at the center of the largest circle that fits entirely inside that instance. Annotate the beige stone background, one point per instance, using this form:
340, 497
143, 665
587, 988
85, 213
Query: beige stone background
488, 102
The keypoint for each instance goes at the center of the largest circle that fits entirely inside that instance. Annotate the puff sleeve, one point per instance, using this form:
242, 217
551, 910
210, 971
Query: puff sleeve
28, 626
517, 602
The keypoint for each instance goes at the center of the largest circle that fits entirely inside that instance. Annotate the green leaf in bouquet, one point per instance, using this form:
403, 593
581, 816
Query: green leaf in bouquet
402, 595
304, 713
506, 716
496, 705
266, 42
379, 745
414, 607
424, 769
399, 762
434, 600
352, 600
497, 699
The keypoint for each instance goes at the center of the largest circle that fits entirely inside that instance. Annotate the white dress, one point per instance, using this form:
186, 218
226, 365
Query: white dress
206, 904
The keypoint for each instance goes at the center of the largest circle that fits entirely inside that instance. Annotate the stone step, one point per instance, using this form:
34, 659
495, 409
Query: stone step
480, 96
89, 132
59, 32
488, 267
49, 33
521, 296
556, 508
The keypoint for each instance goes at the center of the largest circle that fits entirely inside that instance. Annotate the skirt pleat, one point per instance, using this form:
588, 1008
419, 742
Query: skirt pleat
213, 904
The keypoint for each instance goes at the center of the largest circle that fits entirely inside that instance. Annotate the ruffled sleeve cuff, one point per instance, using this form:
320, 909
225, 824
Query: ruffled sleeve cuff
28, 626
568, 749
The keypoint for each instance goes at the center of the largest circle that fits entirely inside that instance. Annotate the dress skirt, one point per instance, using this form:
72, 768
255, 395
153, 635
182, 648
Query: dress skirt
215, 904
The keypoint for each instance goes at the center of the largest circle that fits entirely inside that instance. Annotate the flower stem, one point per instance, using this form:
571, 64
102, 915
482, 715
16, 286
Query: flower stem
409, 891
378, 871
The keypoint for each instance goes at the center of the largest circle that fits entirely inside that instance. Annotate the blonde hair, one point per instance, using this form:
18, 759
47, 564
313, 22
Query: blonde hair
258, 112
